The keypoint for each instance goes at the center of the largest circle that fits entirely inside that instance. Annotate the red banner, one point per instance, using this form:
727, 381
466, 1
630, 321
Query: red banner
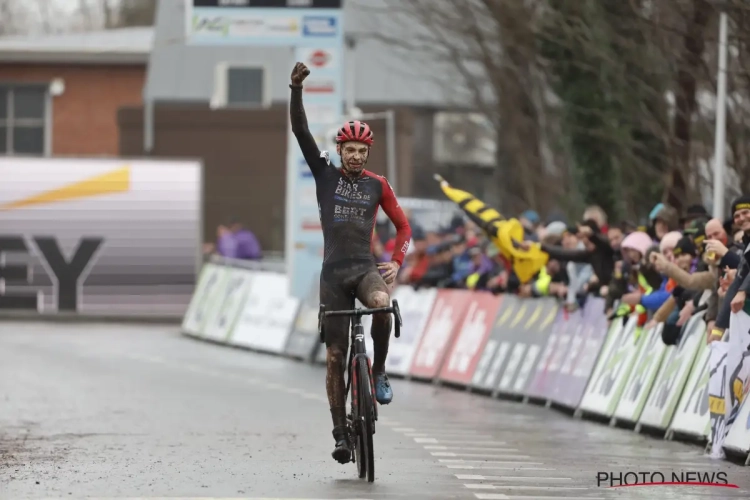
470, 339
447, 316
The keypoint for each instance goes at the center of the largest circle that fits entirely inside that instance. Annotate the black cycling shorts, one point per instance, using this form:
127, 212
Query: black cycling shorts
339, 287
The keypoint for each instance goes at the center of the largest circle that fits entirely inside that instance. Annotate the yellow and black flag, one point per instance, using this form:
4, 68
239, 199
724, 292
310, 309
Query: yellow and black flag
503, 232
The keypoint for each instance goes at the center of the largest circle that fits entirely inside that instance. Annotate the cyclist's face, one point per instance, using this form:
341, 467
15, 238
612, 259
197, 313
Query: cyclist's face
353, 156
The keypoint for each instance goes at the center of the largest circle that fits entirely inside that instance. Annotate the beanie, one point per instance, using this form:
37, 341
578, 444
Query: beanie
743, 202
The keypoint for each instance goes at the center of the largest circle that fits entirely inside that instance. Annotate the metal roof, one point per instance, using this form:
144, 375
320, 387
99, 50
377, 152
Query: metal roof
125, 45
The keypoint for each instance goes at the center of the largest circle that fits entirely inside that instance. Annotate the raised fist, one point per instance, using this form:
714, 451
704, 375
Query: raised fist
299, 73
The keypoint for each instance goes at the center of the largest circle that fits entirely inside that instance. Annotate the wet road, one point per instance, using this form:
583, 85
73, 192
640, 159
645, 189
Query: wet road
141, 412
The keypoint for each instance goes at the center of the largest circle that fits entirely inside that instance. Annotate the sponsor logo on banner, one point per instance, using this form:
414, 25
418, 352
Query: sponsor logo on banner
672, 377
62, 246
320, 26
320, 59
448, 313
692, 416
642, 376
321, 113
472, 335
319, 86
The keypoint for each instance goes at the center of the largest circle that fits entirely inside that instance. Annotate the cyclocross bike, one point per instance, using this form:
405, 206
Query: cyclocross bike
361, 421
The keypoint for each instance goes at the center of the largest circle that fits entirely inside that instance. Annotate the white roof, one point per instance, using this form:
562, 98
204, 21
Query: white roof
123, 45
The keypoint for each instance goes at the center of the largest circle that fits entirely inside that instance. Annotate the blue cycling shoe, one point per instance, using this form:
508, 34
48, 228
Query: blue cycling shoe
383, 391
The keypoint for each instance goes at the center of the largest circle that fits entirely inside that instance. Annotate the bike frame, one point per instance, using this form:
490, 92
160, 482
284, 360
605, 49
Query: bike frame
358, 358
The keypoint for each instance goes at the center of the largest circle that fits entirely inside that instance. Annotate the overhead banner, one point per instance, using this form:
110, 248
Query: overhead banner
98, 236
314, 30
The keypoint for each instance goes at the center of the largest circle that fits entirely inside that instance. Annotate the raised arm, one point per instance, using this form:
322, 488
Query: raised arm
298, 118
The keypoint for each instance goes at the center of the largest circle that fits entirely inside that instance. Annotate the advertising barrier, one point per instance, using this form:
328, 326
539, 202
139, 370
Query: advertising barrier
304, 339
439, 333
471, 336
691, 418
529, 327
613, 368
642, 378
99, 237
673, 375
507, 345
581, 359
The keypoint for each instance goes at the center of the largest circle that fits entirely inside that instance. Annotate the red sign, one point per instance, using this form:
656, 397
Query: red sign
319, 86
447, 315
319, 58
465, 351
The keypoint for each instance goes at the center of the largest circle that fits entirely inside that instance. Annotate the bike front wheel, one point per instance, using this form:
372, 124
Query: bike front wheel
367, 422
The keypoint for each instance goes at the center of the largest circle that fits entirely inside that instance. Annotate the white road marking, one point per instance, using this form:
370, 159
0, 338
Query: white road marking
479, 467
510, 487
447, 434
501, 496
469, 448
471, 477
429, 440
488, 455
505, 462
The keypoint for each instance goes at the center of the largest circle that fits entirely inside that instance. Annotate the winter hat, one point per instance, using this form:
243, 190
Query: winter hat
743, 202
638, 241
670, 240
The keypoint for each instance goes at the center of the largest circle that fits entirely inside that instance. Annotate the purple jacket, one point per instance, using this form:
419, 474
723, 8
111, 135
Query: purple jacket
240, 245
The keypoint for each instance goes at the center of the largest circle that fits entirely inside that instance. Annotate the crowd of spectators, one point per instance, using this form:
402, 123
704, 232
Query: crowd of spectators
666, 271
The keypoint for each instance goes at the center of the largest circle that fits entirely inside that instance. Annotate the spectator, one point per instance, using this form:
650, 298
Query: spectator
694, 213
663, 220
629, 284
235, 242
598, 215
530, 221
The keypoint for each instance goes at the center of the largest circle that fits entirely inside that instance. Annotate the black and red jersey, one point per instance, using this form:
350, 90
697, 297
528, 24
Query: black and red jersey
348, 206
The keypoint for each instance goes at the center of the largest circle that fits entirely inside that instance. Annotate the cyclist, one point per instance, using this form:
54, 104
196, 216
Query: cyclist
348, 201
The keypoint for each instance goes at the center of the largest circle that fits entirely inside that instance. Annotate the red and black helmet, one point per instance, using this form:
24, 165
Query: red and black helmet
356, 131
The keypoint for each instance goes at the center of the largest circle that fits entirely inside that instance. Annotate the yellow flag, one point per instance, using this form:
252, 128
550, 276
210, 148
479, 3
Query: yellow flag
502, 231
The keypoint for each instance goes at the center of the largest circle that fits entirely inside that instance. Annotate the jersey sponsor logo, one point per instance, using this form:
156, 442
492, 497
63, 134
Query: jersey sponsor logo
347, 214
350, 192
405, 247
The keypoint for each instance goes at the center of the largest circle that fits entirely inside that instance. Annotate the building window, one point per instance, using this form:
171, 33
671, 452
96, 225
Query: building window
23, 119
240, 86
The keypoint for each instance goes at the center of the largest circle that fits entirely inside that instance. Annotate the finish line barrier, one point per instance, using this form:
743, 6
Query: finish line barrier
506, 346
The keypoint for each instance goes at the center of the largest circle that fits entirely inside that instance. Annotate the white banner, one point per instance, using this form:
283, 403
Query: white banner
268, 314
642, 376
673, 375
691, 417
211, 279
415, 307
613, 368
229, 301
717, 364
738, 368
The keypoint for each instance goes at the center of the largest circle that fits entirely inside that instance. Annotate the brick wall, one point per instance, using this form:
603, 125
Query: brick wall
85, 116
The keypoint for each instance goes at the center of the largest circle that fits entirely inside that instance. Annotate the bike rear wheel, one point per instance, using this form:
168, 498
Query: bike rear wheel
367, 426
